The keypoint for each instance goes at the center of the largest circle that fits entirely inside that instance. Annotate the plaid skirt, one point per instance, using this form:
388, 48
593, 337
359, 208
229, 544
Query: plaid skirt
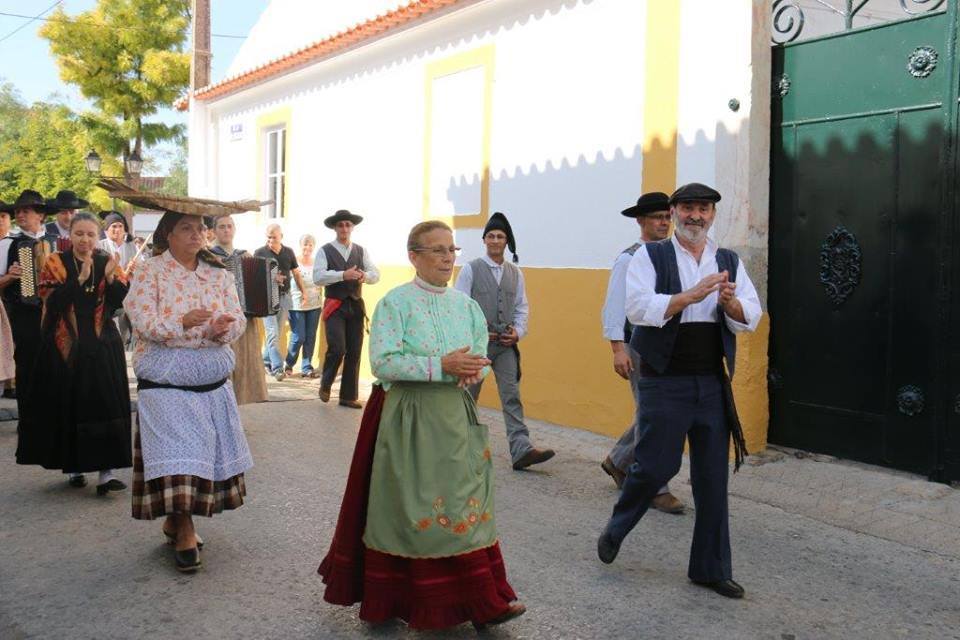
181, 493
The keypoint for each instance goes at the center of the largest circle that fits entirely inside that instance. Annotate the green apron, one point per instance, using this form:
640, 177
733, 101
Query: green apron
431, 488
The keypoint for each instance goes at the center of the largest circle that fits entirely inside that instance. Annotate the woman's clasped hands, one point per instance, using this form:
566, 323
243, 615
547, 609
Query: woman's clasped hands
199, 317
465, 366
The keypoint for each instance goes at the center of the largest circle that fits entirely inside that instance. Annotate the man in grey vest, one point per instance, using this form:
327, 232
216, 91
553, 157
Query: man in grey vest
652, 213
342, 268
687, 299
497, 285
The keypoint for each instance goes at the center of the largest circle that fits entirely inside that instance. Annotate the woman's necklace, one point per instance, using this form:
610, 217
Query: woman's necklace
92, 279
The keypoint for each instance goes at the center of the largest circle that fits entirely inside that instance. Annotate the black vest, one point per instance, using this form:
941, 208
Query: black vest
11, 294
335, 262
655, 344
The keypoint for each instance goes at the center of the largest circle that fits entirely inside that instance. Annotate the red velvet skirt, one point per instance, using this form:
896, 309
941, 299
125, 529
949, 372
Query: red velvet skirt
429, 593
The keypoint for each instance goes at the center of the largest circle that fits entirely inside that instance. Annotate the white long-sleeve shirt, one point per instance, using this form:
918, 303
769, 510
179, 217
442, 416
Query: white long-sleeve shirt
521, 308
614, 314
323, 275
647, 308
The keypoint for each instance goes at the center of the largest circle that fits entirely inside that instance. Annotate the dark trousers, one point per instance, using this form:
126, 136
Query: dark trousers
673, 408
344, 330
25, 329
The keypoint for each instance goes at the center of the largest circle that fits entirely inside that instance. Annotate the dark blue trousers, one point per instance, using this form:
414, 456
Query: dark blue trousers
673, 408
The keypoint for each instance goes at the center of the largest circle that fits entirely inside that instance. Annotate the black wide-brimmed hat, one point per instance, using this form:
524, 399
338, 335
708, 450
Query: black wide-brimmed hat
28, 199
343, 214
648, 203
499, 222
65, 200
695, 192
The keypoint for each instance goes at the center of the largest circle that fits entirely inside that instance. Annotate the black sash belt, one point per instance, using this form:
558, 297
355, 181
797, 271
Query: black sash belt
143, 384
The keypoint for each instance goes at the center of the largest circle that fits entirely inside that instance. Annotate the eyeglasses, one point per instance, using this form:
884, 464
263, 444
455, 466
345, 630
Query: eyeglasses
439, 252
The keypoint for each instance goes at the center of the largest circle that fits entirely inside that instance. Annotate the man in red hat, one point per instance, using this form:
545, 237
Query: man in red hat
652, 213
342, 267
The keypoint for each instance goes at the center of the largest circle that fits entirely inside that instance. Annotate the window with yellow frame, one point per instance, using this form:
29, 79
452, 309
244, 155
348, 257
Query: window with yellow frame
456, 175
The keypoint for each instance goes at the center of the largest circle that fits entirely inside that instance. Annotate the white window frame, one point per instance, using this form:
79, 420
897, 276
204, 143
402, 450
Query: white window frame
275, 180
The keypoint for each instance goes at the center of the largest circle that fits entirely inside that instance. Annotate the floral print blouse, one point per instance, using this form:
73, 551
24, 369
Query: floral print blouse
415, 325
162, 291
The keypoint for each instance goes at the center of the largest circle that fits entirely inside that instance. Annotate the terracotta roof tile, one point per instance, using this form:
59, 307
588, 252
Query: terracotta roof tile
333, 45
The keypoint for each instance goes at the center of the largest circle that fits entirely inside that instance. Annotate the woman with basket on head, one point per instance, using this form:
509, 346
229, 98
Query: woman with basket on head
77, 408
190, 452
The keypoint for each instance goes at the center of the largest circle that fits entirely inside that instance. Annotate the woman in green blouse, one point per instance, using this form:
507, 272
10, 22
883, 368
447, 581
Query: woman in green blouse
420, 491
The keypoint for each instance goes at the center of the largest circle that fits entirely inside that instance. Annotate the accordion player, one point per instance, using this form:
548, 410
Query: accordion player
257, 286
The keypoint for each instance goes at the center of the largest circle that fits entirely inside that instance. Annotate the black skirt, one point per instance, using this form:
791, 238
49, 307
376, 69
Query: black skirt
76, 413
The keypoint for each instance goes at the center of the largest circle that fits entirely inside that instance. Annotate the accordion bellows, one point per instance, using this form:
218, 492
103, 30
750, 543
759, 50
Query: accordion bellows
30, 257
257, 285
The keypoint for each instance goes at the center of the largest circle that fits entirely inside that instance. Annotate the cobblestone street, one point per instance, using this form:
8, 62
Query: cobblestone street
825, 549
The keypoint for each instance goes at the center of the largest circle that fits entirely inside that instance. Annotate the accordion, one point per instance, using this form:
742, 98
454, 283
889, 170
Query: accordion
257, 285
30, 255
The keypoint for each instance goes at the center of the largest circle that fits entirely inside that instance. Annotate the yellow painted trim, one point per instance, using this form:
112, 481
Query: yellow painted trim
479, 57
270, 120
661, 96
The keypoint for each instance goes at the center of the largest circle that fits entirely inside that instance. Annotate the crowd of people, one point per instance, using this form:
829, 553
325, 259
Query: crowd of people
416, 537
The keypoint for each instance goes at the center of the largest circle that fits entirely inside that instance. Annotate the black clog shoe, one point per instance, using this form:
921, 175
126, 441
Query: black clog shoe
110, 485
188, 560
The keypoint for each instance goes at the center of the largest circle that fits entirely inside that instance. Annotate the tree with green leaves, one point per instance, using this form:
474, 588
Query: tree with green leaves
127, 57
42, 147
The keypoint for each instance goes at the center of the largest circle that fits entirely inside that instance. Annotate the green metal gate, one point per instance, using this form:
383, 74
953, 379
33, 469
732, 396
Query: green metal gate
865, 347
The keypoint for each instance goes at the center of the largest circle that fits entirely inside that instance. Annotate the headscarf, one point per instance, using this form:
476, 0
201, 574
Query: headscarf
160, 242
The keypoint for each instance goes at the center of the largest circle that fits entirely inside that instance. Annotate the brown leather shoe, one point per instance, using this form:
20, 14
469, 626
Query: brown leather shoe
324, 395
532, 457
612, 471
352, 404
668, 503
514, 611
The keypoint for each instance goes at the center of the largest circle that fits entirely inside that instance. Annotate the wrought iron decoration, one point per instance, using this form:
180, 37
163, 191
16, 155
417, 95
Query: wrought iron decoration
788, 18
840, 258
783, 85
922, 62
910, 400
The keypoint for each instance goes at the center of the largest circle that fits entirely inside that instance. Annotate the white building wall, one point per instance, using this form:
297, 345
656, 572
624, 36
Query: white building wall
566, 126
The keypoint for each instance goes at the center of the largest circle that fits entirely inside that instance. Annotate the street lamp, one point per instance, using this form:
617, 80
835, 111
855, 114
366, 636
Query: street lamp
133, 164
93, 161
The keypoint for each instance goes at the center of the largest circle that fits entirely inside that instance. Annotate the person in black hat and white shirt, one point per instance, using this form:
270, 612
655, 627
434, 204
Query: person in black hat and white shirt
652, 213
65, 205
498, 287
342, 268
118, 242
687, 299
29, 210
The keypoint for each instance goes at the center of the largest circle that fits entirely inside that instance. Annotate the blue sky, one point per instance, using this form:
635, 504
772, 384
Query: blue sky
26, 62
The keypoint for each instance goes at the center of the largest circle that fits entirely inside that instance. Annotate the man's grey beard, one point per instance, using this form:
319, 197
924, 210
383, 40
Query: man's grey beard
692, 234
